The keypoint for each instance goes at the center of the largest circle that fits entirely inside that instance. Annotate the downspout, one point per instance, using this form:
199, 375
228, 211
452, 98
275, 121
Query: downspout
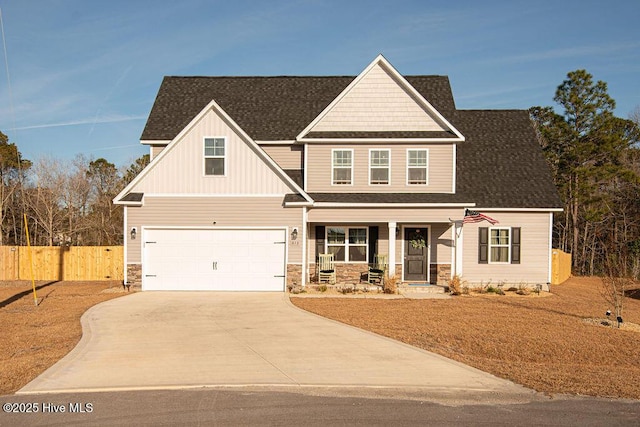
305, 264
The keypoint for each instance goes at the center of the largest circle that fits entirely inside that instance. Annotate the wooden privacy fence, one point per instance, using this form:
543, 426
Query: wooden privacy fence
560, 266
62, 263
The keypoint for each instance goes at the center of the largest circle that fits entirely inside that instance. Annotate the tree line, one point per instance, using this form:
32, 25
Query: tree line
594, 157
65, 202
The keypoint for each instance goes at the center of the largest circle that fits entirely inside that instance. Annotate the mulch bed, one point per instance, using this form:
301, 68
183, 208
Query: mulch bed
551, 344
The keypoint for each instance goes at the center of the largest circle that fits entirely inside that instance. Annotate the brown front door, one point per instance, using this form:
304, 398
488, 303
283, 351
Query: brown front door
416, 263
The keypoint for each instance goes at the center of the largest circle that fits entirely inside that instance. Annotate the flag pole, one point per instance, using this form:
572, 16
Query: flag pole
33, 282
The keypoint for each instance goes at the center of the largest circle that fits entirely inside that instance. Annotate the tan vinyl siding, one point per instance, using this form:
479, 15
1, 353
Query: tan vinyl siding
203, 211
441, 243
534, 251
156, 150
182, 167
286, 156
439, 174
377, 103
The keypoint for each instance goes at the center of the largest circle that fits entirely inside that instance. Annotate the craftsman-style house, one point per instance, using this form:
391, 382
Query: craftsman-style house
252, 178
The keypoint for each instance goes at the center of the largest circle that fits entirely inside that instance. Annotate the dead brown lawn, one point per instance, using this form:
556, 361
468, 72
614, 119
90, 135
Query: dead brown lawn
541, 343
34, 338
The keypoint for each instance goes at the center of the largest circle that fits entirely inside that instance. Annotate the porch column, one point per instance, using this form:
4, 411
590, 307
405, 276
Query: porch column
457, 249
392, 248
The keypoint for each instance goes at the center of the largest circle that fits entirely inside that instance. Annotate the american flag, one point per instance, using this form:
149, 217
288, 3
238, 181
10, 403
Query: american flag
475, 216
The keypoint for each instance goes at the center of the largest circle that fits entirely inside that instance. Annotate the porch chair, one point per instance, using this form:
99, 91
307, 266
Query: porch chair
378, 269
326, 269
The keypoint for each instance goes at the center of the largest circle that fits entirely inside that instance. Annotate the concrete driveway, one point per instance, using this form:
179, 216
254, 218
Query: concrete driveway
185, 339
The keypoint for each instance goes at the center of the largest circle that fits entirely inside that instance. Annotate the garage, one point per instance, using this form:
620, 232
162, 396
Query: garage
213, 259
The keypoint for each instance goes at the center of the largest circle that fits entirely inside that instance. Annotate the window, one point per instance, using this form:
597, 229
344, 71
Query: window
341, 167
417, 167
379, 167
214, 156
499, 245
347, 243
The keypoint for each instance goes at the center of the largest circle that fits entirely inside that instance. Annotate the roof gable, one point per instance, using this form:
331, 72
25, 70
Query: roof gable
380, 103
248, 170
266, 108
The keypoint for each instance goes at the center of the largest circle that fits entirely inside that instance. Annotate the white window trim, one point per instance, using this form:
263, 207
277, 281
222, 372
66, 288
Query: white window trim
205, 157
346, 243
490, 246
378, 167
333, 167
426, 167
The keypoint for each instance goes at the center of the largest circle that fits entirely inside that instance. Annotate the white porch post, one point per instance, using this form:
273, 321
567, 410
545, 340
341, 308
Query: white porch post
457, 235
392, 248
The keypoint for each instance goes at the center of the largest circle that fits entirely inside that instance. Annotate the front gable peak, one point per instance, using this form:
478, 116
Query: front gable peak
380, 104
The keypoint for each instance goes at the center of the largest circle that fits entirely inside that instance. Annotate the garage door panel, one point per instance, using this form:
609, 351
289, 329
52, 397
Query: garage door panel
214, 259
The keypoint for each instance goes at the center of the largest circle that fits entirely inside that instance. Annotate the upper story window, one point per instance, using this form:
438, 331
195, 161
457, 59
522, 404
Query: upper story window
214, 156
379, 166
417, 167
342, 167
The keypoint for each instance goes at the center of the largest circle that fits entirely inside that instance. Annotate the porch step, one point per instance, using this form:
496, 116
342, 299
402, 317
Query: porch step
423, 288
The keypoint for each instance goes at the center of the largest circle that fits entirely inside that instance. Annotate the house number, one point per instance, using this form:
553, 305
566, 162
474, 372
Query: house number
215, 265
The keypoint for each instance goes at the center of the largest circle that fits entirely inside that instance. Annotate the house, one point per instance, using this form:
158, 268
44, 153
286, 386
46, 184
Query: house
252, 177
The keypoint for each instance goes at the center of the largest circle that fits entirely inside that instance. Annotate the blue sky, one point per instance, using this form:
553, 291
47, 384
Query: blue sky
84, 73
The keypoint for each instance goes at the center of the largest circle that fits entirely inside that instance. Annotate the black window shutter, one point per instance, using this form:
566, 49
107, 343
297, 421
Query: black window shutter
373, 242
483, 245
319, 241
515, 245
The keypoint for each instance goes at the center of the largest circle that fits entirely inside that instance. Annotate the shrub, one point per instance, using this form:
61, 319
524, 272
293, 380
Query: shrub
390, 285
322, 288
346, 289
455, 285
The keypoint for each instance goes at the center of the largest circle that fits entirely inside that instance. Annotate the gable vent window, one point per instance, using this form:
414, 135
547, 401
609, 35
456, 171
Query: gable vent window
214, 156
417, 167
342, 167
379, 167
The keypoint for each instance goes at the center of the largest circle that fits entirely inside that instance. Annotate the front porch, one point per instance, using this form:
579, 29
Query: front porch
417, 253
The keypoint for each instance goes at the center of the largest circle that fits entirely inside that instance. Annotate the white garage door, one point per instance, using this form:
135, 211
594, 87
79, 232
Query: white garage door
213, 259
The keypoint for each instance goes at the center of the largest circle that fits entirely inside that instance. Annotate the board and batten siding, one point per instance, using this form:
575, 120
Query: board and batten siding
182, 170
534, 251
378, 102
287, 156
203, 211
440, 169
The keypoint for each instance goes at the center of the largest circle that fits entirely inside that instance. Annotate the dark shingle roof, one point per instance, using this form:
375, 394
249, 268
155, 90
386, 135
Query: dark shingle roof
500, 164
267, 108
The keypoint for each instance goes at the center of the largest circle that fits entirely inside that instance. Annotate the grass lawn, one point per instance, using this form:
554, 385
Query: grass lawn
553, 343
34, 338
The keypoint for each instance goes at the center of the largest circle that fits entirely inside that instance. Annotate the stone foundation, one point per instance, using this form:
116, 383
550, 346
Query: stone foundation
294, 276
443, 274
134, 275
345, 273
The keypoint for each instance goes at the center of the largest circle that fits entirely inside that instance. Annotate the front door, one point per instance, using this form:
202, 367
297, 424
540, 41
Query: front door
416, 265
